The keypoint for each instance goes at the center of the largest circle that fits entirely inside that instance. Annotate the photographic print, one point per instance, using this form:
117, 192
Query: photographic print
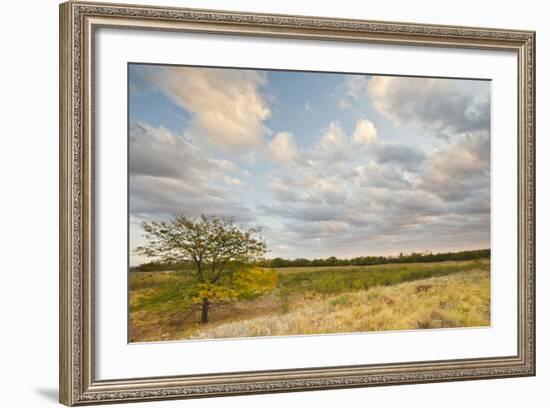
277, 203
325, 191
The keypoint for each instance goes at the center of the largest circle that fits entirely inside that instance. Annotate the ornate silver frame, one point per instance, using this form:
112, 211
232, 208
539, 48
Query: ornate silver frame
78, 23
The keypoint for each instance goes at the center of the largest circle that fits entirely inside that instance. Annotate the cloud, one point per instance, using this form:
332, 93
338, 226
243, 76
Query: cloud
404, 156
233, 181
283, 147
404, 201
301, 211
346, 188
158, 152
443, 105
307, 188
457, 170
335, 145
344, 104
329, 190
169, 174
227, 106
285, 190
333, 142
357, 86
308, 108
364, 133
374, 174
383, 196
355, 89
322, 229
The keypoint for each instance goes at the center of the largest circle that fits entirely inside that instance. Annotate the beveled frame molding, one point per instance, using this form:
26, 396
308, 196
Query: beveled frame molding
78, 22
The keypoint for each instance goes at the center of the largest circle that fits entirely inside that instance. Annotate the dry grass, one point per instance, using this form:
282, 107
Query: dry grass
319, 300
175, 323
459, 300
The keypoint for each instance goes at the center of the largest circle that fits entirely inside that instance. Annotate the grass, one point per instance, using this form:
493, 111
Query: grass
461, 300
343, 279
313, 300
291, 270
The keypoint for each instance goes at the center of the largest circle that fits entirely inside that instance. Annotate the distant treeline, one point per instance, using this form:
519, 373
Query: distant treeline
333, 261
378, 260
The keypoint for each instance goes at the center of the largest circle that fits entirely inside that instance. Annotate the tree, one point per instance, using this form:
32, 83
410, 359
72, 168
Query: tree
223, 256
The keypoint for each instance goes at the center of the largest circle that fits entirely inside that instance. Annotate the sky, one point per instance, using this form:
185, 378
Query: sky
327, 164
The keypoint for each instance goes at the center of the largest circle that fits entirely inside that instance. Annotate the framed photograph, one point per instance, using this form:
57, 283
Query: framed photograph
256, 203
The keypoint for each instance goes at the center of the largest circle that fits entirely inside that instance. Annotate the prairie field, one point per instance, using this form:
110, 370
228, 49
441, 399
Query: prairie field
315, 300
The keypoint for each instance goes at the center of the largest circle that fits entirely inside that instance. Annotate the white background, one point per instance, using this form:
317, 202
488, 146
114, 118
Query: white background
28, 169
117, 359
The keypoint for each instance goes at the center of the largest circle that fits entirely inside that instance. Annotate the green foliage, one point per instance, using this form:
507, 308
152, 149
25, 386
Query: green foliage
211, 244
254, 282
245, 284
218, 251
213, 292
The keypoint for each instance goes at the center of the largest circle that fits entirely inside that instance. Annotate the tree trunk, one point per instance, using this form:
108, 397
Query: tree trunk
204, 313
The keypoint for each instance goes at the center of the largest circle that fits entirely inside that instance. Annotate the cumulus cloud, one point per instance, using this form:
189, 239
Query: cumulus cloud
334, 145
334, 142
401, 155
283, 147
357, 86
322, 229
355, 89
169, 174
233, 181
158, 152
365, 132
329, 190
227, 106
459, 169
385, 196
286, 190
444, 105
308, 187
343, 188
374, 174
